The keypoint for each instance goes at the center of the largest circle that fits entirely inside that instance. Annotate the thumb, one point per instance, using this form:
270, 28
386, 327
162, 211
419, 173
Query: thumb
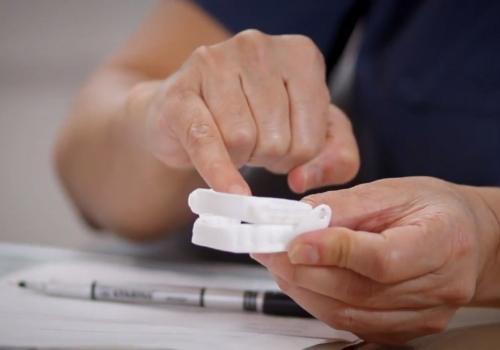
337, 163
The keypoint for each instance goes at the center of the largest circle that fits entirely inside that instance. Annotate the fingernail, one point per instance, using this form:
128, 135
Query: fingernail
309, 201
282, 284
237, 189
261, 258
304, 254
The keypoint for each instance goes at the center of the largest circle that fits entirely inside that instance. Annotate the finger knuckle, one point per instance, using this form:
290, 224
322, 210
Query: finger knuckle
254, 44
199, 134
344, 249
203, 56
309, 50
240, 137
274, 146
250, 35
306, 44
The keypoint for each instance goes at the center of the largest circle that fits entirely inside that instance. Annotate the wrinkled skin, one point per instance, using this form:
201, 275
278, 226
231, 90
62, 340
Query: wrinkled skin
400, 257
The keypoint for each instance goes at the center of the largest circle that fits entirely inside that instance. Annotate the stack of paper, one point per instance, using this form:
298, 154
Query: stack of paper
31, 319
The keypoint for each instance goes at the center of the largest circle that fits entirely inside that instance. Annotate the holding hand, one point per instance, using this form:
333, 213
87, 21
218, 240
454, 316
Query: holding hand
254, 99
400, 257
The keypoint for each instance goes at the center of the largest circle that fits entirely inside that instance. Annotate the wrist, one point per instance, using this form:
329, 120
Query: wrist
485, 205
137, 105
152, 190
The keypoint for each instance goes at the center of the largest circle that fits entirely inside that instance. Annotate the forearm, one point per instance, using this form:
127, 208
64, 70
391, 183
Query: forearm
101, 159
100, 155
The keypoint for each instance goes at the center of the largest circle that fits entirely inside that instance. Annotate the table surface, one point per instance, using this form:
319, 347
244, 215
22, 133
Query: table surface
477, 328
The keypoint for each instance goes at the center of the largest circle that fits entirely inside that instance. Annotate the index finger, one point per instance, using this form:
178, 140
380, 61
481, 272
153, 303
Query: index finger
202, 141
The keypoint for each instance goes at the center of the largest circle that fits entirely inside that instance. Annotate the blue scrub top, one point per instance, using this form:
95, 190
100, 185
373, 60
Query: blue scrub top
426, 95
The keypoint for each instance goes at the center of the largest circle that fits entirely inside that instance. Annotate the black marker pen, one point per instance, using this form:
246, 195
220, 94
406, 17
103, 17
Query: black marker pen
266, 302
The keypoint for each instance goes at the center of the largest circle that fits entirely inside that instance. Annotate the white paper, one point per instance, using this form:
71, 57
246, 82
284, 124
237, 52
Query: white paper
31, 319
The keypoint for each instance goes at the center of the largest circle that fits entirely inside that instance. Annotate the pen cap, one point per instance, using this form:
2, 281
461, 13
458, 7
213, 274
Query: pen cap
277, 303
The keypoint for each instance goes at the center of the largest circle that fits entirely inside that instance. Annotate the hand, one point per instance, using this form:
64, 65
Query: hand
254, 99
400, 257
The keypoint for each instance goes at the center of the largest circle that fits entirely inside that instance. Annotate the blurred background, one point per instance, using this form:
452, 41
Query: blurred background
47, 49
